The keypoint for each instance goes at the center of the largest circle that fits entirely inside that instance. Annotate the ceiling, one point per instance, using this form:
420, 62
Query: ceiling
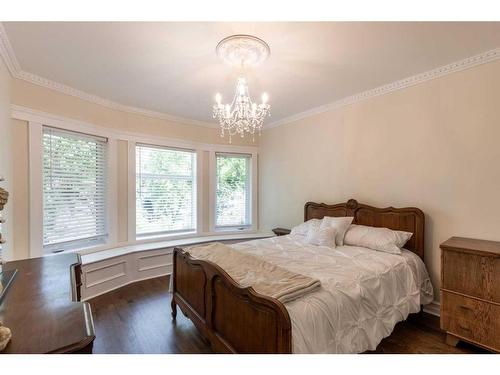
171, 67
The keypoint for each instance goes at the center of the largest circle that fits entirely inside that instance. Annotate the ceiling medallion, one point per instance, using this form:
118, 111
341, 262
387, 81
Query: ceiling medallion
247, 50
242, 115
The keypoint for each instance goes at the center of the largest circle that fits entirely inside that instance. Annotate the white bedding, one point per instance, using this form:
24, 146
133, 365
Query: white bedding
363, 293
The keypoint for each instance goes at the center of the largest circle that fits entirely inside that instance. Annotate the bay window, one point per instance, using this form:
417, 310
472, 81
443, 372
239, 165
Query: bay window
94, 189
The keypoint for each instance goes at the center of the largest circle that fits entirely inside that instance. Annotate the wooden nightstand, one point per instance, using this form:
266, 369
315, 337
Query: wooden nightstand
470, 292
281, 231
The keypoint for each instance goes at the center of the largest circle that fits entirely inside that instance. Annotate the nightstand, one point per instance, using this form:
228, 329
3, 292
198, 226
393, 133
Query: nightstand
470, 292
281, 231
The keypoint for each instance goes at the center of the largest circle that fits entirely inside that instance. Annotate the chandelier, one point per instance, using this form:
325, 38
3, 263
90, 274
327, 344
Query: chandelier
242, 115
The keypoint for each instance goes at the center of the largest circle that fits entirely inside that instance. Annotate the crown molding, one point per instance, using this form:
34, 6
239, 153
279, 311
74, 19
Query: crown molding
467, 63
7, 53
44, 82
31, 115
15, 70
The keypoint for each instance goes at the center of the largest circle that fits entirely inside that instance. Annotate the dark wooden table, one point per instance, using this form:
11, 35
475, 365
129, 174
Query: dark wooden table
42, 307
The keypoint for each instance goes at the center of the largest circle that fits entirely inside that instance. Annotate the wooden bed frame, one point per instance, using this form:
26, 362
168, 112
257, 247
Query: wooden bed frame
239, 320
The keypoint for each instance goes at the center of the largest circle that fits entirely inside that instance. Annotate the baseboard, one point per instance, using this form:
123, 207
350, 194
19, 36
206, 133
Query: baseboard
433, 308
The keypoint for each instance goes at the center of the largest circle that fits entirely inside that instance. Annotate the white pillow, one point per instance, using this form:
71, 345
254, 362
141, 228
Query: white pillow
341, 224
321, 236
302, 229
381, 239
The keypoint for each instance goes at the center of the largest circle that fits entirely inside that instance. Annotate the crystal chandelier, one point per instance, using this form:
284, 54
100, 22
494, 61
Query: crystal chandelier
242, 115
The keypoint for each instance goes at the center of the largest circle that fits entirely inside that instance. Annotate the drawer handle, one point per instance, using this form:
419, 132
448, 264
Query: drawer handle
465, 307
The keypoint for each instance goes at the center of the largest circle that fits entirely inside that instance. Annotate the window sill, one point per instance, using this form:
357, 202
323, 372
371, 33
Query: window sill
165, 237
190, 235
233, 230
100, 255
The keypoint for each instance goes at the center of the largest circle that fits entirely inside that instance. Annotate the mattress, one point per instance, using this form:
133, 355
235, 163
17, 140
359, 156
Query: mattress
363, 293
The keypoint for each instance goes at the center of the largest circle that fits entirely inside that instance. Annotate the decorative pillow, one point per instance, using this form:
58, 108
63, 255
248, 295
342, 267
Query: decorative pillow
302, 229
381, 239
321, 236
341, 224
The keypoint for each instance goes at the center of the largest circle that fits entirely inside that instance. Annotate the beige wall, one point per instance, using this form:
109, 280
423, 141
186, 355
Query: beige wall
435, 146
6, 158
53, 102
21, 190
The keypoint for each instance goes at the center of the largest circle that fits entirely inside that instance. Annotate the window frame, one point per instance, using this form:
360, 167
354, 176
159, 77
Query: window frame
248, 202
132, 178
252, 175
35, 139
91, 241
171, 233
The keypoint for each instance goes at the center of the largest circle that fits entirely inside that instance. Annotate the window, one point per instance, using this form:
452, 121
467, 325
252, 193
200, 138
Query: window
74, 190
233, 194
165, 191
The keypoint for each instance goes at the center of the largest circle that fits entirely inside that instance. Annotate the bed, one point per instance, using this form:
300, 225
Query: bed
363, 293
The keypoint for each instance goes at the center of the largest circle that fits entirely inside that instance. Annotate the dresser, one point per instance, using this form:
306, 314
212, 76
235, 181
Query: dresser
470, 292
42, 307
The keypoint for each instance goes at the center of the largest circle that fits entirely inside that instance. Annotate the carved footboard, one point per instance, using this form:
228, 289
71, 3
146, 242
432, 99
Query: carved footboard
233, 319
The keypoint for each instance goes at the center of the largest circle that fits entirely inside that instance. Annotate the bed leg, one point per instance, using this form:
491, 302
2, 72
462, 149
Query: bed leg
174, 309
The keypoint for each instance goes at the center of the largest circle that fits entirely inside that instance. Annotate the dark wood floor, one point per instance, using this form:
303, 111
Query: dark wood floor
136, 319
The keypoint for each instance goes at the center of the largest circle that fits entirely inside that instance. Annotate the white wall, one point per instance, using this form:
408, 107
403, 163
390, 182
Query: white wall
6, 158
435, 146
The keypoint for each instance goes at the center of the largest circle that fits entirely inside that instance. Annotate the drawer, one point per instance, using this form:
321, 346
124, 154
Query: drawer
471, 274
475, 320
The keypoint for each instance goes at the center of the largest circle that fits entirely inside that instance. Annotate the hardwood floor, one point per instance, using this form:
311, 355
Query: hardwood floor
136, 319
420, 334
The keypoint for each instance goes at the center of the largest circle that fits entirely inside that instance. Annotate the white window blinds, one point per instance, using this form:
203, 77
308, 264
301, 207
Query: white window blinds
74, 190
165, 190
233, 194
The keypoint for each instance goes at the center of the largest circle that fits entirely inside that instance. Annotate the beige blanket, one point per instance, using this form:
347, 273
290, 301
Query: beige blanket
248, 270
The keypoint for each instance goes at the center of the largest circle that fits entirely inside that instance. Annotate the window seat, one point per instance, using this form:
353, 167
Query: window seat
110, 269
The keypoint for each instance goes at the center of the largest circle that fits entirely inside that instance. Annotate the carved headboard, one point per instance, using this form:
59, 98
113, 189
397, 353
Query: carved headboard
409, 219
